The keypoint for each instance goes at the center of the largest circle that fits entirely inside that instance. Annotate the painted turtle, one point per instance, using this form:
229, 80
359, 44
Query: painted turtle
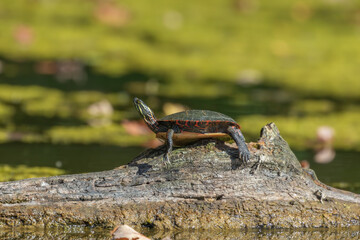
191, 125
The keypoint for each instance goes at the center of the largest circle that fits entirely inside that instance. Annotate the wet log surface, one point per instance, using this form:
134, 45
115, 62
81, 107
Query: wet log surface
205, 187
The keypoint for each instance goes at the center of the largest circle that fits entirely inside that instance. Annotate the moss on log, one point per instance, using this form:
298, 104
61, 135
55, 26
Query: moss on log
205, 187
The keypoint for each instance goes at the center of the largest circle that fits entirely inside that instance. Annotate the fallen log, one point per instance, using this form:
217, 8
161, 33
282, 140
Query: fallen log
205, 187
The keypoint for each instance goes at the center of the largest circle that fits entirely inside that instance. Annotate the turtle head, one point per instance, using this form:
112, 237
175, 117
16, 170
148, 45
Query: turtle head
145, 112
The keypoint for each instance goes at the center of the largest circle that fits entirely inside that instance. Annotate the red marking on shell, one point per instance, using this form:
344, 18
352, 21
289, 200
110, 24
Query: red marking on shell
205, 125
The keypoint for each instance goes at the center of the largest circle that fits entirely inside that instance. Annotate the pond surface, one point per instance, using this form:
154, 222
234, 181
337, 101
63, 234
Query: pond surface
72, 158
97, 233
342, 172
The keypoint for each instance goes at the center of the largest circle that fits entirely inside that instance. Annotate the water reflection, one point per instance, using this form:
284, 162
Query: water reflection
273, 234
98, 233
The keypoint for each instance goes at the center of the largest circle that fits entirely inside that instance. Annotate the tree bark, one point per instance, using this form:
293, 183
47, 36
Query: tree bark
205, 187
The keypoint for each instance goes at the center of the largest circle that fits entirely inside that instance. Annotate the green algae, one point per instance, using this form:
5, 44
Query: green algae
111, 134
13, 173
291, 44
52, 105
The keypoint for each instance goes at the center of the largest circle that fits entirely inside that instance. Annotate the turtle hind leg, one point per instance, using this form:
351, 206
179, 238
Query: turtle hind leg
239, 139
169, 145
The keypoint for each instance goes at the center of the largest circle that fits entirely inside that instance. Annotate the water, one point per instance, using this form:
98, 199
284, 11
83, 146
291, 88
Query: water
104, 234
342, 172
72, 158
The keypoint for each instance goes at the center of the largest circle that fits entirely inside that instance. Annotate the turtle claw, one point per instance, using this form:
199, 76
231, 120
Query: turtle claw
245, 157
166, 159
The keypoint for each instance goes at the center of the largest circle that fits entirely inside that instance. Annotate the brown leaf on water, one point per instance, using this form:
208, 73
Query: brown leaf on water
71, 70
136, 128
305, 164
16, 136
325, 155
153, 143
325, 135
245, 6
102, 108
46, 67
112, 14
124, 232
24, 35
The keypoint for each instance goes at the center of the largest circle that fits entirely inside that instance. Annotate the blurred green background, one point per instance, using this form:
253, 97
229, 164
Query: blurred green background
69, 71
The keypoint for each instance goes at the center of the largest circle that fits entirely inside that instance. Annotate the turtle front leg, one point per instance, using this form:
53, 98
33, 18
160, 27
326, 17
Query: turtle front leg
239, 139
169, 144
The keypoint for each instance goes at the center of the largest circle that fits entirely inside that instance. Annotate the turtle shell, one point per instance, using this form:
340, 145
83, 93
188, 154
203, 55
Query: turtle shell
197, 124
198, 115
